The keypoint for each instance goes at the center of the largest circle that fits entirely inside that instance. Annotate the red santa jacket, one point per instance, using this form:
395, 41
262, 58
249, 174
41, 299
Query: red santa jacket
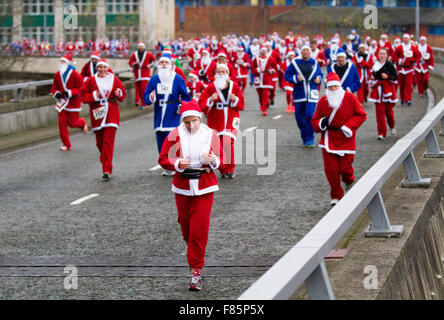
406, 56
103, 107
426, 62
223, 114
386, 45
179, 144
241, 62
72, 84
141, 68
206, 72
319, 56
180, 72
364, 66
195, 88
285, 84
194, 54
264, 71
88, 71
340, 135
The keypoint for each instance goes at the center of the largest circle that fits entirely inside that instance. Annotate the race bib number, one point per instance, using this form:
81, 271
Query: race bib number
163, 88
408, 54
314, 94
99, 113
427, 56
236, 123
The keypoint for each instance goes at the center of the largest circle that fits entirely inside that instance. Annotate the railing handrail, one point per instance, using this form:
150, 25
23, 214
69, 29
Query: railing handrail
39, 83
300, 262
438, 49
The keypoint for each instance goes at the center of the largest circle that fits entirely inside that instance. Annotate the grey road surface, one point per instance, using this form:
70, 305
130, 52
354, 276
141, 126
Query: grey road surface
126, 242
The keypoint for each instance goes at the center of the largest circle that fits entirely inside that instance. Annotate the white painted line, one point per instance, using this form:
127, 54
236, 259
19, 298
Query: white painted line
79, 201
155, 168
250, 129
277, 117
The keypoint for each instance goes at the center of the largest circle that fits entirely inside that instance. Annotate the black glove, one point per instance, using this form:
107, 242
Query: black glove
324, 123
66, 95
58, 96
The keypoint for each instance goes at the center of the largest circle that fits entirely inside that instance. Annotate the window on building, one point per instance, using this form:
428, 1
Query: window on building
5, 35
436, 30
5, 7
36, 7
122, 6
39, 34
120, 32
389, 3
86, 33
83, 6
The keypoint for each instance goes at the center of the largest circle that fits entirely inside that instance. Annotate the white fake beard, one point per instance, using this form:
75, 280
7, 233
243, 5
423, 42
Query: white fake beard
334, 47
335, 97
164, 74
63, 67
220, 81
206, 60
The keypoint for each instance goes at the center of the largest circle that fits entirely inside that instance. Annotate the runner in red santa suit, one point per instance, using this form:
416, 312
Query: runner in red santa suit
60, 47
385, 43
338, 116
241, 62
65, 89
192, 151
70, 48
194, 85
102, 92
222, 59
424, 66
141, 61
407, 57
194, 53
263, 68
383, 83
282, 50
277, 59
221, 101
317, 54
364, 63
206, 68
89, 69
288, 87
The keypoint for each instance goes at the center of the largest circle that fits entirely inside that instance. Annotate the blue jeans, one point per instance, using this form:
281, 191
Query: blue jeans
304, 112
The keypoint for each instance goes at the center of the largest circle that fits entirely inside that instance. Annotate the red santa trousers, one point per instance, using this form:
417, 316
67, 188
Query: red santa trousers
194, 219
69, 119
227, 153
273, 91
140, 87
384, 112
405, 86
289, 96
422, 81
264, 98
337, 168
242, 82
363, 92
105, 138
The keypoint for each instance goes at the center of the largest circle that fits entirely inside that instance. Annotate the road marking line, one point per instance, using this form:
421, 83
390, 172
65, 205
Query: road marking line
277, 117
250, 129
155, 168
79, 201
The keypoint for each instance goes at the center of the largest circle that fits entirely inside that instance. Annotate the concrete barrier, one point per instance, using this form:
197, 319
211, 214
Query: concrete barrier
40, 112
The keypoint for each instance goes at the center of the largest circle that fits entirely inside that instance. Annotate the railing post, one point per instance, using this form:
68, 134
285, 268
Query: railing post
433, 150
18, 95
414, 179
318, 284
441, 133
379, 221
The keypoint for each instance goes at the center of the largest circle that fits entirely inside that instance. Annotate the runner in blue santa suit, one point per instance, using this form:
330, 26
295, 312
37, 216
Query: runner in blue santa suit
346, 71
332, 51
166, 90
306, 75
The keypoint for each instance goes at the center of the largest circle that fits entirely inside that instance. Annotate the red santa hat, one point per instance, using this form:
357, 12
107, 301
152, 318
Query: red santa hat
422, 38
205, 51
333, 79
263, 48
406, 35
196, 40
67, 58
221, 54
102, 62
194, 74
95, 55
190, 108
383, 36
141, 44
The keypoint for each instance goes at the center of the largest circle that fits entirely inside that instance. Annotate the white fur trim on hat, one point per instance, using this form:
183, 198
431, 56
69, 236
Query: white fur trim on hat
191, 113
66, 60
223, 65
333, 83
341, 54
102, 63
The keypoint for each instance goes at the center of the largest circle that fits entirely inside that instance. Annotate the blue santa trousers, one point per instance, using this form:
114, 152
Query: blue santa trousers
160, 138
304, 112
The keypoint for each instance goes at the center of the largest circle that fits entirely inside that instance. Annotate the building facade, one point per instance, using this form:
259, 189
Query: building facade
54, 20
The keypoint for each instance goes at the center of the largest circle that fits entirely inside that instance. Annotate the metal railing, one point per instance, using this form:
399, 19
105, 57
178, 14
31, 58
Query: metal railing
19, 87
304, 263
438, 54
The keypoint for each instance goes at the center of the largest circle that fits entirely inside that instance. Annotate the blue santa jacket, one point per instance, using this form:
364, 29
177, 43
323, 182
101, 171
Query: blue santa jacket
166, 115
303, 90
330, 54
350, 80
